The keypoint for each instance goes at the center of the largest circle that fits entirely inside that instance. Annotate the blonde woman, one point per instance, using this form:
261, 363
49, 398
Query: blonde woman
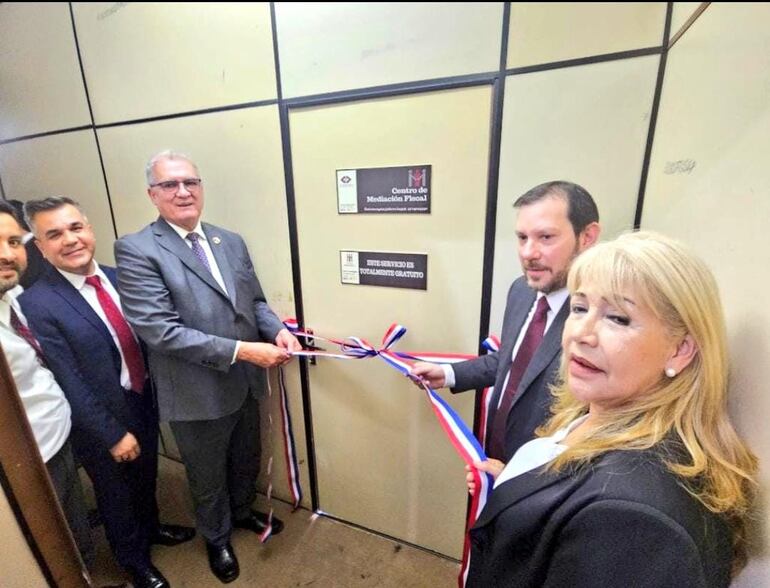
639, 478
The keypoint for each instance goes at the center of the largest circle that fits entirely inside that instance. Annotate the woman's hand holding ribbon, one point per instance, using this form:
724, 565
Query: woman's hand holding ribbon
493, 467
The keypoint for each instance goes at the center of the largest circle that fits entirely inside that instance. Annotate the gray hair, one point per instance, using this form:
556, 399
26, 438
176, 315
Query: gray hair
34, 207
149, 169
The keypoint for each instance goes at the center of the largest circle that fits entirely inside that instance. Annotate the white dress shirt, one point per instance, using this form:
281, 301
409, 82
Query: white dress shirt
556, 300
47, 409
88, 293
536, 453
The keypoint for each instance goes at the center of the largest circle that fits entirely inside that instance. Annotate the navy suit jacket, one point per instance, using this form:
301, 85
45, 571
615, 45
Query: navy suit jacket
82, 355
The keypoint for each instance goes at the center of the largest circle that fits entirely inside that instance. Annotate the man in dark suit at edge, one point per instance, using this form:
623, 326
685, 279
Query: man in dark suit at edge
556, 222
190, 291
74, 310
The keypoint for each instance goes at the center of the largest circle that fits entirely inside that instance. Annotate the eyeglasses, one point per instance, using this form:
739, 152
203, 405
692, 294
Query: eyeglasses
190, 184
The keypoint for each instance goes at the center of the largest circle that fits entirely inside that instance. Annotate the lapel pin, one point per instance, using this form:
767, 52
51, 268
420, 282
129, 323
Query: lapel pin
216, 240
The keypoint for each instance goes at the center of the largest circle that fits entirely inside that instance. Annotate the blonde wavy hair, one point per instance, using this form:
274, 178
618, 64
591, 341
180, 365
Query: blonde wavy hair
718, 468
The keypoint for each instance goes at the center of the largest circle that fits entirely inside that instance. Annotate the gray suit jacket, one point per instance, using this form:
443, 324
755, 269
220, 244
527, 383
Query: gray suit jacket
189, 324
533, 399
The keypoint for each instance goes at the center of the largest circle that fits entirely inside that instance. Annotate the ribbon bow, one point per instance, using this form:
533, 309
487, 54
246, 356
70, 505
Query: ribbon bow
465, 443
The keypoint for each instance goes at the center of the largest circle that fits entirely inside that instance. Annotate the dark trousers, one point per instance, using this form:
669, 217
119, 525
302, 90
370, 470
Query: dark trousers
64, 475
222, 459
125, 491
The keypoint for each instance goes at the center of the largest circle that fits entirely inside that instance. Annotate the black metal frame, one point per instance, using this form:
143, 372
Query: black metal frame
653, 118
93, 123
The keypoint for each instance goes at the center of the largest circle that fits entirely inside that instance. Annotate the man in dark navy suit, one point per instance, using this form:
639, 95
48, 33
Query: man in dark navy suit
74, 310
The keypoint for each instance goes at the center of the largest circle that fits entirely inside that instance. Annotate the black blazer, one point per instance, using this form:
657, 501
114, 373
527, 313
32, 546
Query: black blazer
623, 522
531, 405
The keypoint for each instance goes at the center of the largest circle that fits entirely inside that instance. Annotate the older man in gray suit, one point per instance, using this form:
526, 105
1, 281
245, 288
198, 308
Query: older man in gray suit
557, 220
190, 292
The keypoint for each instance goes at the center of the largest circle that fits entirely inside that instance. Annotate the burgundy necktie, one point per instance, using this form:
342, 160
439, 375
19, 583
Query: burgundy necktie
128, 345
25, 333
197, 249
529, 345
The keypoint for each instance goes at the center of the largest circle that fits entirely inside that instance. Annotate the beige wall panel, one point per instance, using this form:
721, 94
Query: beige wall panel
708, 187
542, 32
680, 13
240, 160
584, 124
152, 58
332, 46
41, 88
18, 567
383, 460
61, 165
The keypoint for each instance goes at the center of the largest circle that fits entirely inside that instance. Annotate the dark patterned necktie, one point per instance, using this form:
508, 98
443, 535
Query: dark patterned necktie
25, 333
198, 250
532, 339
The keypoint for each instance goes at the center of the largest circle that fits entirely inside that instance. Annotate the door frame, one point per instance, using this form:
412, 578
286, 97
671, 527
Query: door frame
30, 493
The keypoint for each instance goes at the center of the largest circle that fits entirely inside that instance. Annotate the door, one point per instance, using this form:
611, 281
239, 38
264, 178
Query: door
383, 462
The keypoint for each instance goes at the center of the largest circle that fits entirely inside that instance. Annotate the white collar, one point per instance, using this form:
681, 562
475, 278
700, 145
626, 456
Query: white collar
556, 298
9, 300
77, 280
559, 435
198, 230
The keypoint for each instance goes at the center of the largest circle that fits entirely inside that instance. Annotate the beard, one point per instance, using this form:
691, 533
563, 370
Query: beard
557, 279
8, 283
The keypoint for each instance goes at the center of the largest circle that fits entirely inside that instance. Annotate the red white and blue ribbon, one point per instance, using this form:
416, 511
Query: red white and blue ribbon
268, 530
289, 452
461, 437
492, 345
289, 448
287, 433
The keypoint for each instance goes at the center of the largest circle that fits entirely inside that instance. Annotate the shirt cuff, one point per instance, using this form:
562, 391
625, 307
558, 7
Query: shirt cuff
449, 375
235, 353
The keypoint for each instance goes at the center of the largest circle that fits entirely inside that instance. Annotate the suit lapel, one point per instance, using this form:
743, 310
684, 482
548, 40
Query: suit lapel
218, 246
111, 275
510, 335
548, 349
63, 288
172, 242
517, 489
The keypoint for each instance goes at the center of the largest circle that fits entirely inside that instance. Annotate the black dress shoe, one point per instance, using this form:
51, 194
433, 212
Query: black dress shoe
257, 522
223, 562
172, 535
149, 577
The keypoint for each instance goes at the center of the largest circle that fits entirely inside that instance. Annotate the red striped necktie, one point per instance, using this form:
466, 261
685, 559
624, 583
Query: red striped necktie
25, 333
128, 345
532, 339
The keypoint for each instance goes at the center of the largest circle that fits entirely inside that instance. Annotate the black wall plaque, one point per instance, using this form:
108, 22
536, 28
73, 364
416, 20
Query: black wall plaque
401, 190
394, 270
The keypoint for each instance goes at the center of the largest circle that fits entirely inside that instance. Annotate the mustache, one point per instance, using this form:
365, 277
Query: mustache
535, 266
10, 265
